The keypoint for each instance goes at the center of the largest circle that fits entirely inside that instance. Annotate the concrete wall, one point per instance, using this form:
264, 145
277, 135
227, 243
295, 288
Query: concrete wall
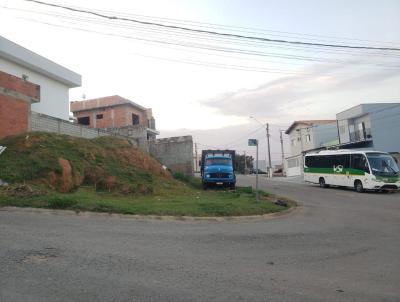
45, 123
54, 99
176, 153
16, 96
325, 135
137, 133
385, 129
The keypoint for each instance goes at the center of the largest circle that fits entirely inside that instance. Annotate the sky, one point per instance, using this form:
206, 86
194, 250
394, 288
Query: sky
281, 83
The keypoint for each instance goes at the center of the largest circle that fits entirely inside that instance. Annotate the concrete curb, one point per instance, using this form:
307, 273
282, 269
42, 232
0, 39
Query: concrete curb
285, 213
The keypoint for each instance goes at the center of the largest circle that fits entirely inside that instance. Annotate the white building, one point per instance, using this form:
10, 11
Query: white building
305, 136
373, 126
54, 80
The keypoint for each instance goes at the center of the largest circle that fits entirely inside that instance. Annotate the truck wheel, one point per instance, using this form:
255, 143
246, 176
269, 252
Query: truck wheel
232, 187
205, 186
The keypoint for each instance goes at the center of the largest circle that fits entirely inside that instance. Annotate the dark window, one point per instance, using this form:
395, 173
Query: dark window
135, 119
359, 162
99, 116
84, 120
328, 161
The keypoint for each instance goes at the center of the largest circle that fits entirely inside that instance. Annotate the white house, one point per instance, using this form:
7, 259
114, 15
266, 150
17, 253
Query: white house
54, 80
308, 135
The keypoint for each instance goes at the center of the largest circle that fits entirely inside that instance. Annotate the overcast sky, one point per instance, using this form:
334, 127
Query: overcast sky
214, 104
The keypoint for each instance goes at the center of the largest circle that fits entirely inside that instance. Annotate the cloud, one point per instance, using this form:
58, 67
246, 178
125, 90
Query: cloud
293, 97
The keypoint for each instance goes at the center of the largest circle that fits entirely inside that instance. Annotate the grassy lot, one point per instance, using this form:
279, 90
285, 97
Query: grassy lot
190, 202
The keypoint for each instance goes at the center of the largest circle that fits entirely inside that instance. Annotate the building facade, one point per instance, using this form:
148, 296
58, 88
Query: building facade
114, 112
370, 126
54, 80
305, 136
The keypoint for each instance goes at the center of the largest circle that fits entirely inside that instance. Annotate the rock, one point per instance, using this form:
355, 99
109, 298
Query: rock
281, 203
3, 183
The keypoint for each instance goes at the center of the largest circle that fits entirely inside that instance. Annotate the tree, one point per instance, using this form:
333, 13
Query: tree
239, 163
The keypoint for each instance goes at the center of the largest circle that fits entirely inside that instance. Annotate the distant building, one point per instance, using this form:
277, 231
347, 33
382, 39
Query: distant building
305, 136
54, 80
114, 112
370, 126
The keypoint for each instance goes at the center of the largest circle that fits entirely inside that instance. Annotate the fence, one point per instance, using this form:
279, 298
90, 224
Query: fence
45, 123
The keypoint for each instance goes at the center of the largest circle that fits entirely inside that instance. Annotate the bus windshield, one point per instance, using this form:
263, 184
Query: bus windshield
382, 164
218, 161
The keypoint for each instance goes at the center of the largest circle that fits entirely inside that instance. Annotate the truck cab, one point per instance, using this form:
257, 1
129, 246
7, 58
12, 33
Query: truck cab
217, 168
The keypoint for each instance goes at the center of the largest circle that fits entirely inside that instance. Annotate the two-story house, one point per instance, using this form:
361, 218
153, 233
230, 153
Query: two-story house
54, 80
115, 112
305, 136
370, 126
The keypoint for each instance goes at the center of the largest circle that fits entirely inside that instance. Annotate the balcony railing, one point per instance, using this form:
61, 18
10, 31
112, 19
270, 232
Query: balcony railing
360, 135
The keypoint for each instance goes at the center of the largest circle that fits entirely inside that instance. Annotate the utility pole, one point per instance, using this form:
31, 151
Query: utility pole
196, 158
283, 153
269, 153
257, 196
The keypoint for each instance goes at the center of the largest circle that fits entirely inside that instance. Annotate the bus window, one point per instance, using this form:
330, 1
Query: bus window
359, 162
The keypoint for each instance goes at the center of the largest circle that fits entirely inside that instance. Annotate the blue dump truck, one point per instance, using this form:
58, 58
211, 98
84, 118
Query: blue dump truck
217, 168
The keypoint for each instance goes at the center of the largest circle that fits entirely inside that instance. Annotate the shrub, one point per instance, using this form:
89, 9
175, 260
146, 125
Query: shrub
61, 202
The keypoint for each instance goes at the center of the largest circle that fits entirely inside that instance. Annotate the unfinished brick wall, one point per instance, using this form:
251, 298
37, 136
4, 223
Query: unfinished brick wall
16, 97
112, 117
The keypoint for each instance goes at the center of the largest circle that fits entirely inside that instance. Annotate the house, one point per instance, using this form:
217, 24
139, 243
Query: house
373, 126
54, 80
114, 112
305, 136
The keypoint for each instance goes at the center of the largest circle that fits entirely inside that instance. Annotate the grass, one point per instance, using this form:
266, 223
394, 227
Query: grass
191, 202
107, 174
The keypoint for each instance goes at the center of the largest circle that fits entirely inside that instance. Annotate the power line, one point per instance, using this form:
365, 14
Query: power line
216, 48
187, 29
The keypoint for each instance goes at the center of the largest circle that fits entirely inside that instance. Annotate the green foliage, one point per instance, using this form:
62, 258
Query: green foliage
61, 202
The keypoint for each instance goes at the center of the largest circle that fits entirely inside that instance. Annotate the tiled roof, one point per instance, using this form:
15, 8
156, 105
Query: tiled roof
309, 123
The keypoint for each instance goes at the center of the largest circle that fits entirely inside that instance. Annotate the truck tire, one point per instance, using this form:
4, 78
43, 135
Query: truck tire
205, 186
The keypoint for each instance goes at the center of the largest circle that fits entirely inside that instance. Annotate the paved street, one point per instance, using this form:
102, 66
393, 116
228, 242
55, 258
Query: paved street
339, 246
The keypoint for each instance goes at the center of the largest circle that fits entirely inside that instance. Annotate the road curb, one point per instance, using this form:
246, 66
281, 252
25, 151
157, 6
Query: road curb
285, 213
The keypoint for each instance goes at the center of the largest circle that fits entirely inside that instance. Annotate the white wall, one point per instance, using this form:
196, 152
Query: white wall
295, 136
54, 96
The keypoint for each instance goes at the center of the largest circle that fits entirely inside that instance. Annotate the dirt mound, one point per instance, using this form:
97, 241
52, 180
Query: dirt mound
64, 163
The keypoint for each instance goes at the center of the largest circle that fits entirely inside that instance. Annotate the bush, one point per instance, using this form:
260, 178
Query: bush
61, 203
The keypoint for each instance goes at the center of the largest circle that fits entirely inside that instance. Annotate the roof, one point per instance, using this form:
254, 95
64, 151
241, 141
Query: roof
309, 123
108, 101
19, 55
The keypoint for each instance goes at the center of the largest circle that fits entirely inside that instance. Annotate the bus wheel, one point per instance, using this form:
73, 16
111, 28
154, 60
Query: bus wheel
322, 183
358, 186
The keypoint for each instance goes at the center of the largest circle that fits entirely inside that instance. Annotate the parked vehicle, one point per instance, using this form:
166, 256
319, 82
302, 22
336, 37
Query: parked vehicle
362, 170
217, 168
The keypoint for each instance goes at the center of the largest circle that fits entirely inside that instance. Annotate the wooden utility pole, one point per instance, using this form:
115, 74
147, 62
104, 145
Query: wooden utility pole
269, 152
283, 153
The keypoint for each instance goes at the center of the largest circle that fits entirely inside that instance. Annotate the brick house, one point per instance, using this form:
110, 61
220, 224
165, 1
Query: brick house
114, 112
16, 97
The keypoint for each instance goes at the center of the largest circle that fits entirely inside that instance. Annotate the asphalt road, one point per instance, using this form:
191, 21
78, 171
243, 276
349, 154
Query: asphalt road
339, 246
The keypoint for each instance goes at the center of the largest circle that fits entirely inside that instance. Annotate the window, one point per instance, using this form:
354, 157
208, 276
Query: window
359, 162
328, 161
84, 120
135, 119
99, 116
308, 138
